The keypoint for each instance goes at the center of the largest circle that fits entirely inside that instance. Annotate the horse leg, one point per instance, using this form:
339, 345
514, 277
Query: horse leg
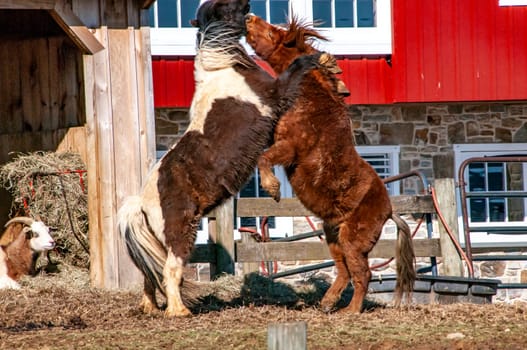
357, 239
173, 278
180, 236
281, 152
343, 277
148, 302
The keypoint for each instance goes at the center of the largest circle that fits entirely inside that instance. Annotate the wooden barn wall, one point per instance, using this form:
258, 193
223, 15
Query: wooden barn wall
451, 50
41, 91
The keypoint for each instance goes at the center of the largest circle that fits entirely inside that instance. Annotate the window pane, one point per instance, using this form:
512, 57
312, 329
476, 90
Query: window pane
279, 11
322, 13
258, 8
365, 13
167, 13
188, 12
476, 177
495, 177
344, 13
478, 210
497, 209
515, 209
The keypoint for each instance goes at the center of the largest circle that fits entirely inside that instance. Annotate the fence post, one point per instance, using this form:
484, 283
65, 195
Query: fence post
222, 234
445, 191
287, 336
249, 267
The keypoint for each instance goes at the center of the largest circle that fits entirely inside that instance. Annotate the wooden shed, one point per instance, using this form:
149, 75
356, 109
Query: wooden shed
76, 75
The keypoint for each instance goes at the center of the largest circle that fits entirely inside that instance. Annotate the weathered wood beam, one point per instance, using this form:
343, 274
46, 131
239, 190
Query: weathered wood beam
75, 29
292, 207
297, 251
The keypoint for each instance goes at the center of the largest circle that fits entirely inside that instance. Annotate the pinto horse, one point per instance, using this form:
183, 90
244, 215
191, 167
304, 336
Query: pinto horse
233, 112
313, 141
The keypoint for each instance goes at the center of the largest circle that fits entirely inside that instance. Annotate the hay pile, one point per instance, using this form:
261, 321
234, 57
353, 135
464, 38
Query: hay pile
52, 186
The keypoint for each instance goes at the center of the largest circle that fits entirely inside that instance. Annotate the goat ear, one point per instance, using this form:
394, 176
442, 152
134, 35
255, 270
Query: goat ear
27, 231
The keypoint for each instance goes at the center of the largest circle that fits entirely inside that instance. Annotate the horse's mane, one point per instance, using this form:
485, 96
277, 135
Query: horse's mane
301, 34
219, 47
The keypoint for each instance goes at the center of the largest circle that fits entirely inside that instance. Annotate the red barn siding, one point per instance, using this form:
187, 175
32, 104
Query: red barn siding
369, 81
451, 50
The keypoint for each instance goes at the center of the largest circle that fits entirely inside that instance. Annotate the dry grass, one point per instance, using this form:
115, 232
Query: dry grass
62, 312
47, 185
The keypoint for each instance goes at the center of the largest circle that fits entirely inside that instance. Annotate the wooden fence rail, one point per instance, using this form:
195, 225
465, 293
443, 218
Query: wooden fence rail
223, 252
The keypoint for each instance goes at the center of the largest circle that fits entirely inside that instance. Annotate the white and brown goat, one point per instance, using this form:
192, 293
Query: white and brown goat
20, 246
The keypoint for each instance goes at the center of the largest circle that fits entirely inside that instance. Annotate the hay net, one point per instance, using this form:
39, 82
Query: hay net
53, 187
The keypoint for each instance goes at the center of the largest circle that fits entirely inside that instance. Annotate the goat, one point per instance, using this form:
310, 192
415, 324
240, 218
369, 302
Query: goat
20, 246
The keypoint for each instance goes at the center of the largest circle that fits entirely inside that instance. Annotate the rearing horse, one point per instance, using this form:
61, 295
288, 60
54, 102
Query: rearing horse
234, 109
313, 141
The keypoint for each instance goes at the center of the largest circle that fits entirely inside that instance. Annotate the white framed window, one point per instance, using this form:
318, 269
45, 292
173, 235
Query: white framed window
491, 178
353, 27
513, 2
385, 161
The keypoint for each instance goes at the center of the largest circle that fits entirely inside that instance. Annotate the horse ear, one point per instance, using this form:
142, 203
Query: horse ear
194, 22
290, 40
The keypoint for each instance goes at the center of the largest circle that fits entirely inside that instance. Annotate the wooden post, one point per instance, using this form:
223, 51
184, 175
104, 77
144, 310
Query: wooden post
222, 235
249, 267
446, 199
287, 336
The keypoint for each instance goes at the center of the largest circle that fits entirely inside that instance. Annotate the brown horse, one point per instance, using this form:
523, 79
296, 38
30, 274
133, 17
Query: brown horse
234, 109
314, 143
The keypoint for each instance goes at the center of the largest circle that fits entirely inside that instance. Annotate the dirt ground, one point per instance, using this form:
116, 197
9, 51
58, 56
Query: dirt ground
61, 311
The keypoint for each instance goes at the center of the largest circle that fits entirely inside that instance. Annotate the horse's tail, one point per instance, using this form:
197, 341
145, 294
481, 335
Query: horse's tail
146, 251
405, 261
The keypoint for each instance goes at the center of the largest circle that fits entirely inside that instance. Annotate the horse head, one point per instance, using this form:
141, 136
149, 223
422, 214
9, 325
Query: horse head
280, 45
231, 12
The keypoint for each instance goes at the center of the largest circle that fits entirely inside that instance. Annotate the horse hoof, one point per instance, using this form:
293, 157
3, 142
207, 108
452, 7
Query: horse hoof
181, 313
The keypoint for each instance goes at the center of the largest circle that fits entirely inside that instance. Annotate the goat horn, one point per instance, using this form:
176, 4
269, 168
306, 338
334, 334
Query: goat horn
22, 219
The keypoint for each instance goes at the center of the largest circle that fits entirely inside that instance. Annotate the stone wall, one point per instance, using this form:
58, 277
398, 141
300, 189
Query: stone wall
426, 134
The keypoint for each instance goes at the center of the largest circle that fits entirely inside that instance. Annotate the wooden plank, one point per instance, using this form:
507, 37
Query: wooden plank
75, 29
104, 260
28, 85
287, 336
145, 100
248, 207
42, 58
406, 204
75, 141
224, 239
126, 161
71, 93
249, 266
55, 82
311, 250
445, 190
